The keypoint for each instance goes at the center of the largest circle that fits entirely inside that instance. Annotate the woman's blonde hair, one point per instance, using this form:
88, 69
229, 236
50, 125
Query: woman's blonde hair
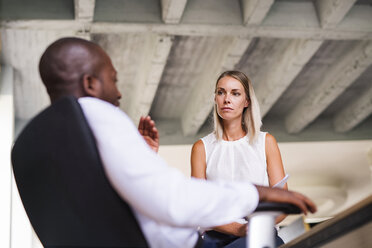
251, 120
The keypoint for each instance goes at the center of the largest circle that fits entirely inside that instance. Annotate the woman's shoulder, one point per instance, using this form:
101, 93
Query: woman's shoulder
197, 146
198, 143
209, 138
270, 140
260, 138
264, 139
262, 133
269, 136
266, 136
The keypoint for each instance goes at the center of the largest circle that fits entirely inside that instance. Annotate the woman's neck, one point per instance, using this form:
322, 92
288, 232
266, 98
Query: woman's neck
232, 130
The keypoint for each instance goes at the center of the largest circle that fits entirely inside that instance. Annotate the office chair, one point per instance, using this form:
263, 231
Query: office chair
56, 164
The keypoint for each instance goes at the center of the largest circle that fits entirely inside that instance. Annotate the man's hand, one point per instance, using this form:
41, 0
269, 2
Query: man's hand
280, 195
147, 129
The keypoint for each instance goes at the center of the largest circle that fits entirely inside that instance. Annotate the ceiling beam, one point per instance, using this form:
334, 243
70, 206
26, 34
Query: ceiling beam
84, 13
227, 54
341, 75
254, 11
283, 71
84, 10
354, 112
338, 33
172, 10
236, 51
355, 26
148, 77
331, 12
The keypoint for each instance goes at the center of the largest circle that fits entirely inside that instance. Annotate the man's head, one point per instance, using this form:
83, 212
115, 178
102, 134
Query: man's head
73, 66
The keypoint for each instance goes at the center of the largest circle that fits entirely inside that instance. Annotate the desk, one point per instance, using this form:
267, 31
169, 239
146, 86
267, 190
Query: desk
350, 228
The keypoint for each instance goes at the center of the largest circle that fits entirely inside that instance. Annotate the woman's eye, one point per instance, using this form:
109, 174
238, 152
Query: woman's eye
219, 92
236, 94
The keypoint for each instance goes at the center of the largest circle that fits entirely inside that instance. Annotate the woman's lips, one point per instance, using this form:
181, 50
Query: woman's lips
226, 109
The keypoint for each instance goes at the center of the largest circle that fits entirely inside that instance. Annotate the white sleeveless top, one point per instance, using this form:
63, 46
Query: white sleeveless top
236, 160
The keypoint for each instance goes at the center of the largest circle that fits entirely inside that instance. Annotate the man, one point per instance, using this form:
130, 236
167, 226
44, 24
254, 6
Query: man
167, 205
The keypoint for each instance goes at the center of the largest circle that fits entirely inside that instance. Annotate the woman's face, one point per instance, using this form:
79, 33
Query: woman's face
230, 98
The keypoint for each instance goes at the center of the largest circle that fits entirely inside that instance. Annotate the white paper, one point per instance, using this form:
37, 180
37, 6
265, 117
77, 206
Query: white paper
282, 182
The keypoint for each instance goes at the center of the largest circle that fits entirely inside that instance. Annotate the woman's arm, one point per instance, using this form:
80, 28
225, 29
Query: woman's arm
234, 228
198, 161
198, 170
275, 170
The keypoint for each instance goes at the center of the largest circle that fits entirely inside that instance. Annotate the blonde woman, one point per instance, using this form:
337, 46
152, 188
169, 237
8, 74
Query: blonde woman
236, 150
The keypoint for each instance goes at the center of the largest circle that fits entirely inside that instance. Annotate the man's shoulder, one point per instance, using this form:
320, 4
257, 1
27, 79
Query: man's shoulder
95, 108
96, 105
87, 100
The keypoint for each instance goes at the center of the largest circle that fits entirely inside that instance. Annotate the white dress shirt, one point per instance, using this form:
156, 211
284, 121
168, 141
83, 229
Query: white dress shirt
168, 206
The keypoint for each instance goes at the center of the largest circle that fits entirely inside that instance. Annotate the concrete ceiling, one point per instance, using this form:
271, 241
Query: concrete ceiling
310, 61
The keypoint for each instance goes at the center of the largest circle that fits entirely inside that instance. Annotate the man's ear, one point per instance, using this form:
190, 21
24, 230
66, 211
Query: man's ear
91, 86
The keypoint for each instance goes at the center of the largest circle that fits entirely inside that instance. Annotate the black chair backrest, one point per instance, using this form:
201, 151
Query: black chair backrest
63, 187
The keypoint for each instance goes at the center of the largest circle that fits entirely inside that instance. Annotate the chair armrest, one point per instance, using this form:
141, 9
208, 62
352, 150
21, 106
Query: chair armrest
285, 208
262, 222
